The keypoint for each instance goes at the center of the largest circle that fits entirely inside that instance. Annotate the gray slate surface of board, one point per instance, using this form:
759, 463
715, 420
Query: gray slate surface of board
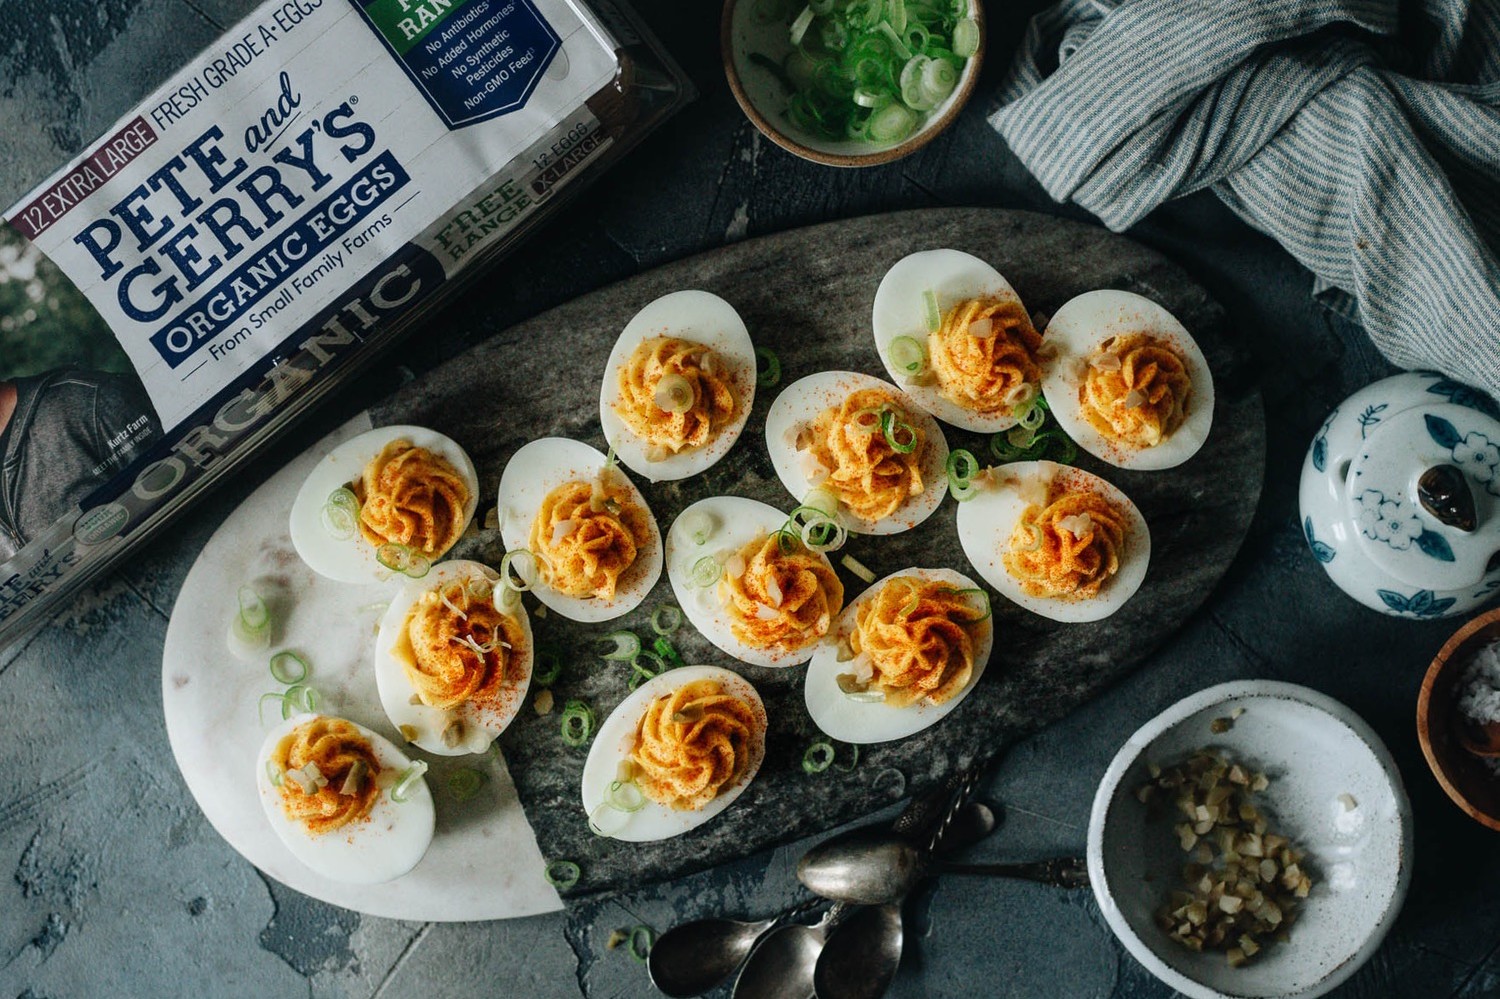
807, 294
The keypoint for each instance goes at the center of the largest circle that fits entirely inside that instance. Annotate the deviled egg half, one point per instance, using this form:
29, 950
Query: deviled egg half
954, 334
344, 800
391, 501
595, 549
453, 659
863, 442
675, 753
678, 386
1127, 381
1057, 540
905, 652
749, 584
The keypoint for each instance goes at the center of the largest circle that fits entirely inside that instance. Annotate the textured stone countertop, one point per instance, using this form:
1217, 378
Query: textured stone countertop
117, 886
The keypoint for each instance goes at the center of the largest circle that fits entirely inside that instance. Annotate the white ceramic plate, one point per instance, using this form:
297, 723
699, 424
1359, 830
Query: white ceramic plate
616, 738
802, 401
689, 315
1314, 750
867, 722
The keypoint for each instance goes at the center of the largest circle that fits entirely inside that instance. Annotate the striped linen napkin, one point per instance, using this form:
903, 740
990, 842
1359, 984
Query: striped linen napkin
1363, 135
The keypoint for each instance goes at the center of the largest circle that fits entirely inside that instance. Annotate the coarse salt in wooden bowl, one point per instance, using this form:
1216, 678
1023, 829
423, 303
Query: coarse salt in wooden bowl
1466, 778
763, 97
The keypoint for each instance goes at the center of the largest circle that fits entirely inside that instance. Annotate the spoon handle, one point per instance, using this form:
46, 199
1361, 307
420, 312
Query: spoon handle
1059, 872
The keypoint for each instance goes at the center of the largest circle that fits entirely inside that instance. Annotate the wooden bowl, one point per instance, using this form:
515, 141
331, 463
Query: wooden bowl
1466, 778
762, 96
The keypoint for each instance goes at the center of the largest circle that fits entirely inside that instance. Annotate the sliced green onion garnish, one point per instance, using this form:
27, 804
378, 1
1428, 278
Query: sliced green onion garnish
252, 623
299, 699
857, 567
260, 708
288, 667
769, 375
819, 757
642, 939
625, 796
561, 874
273, 773
983, 597
706, 571
930, 310
853, 760
891, 123
963, 492
344, 499
822, 501
577, 723
902, 437
518, 570
823, 536
965, 38
697, 525
1034, 417
1021, 436
666, 619
407, 780
619, 646
547, 667
669, 653
868, 421
340, 524
908, 356
403, 559
464, 783
605, 820
800, 25
962, 466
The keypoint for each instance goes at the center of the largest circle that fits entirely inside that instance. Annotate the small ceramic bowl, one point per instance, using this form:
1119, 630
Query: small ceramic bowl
1466, 778
763, 96
1315, 752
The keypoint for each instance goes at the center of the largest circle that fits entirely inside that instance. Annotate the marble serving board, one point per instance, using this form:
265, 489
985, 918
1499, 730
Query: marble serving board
807, 295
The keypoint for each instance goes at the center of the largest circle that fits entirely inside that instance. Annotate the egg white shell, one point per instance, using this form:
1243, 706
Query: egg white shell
534, 471
353, 559
704, 318
866, 722
952, 276
396, 690
802, 401
737, 521
616, 739
1077, 329
387, 844
985, 524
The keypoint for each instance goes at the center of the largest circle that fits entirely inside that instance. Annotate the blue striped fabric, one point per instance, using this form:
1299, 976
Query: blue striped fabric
1363, 135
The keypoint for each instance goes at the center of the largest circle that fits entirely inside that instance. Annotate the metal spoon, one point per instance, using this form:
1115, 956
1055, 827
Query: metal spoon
690, 959
860, 960
874, 868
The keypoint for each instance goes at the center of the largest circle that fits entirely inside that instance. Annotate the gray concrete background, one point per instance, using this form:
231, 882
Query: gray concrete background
117, 885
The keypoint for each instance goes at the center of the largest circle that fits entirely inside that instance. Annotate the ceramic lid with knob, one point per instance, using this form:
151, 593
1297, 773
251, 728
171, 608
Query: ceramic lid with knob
1400, 496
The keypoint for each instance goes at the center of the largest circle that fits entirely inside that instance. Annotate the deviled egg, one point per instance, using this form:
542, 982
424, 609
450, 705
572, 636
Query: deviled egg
1127, 381
678, 386
1057, 540
748, 584
862, 441
594, 543
452, 662
676, 752
392, 500
954, 334
905, 652
344, 800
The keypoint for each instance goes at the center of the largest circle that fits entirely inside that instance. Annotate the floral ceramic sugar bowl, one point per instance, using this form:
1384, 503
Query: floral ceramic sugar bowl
1400, 496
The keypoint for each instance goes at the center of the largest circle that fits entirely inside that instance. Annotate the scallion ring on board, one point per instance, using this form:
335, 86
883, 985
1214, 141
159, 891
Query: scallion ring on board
1034, 417
642, 939
666, 619
300, 699
908, 355
406, 780
668, 653
252, 621
288, 667
547, 668
819, 757
561, 874
577, 723
853, 761
619, 646
768, 372
857, 567
464, 783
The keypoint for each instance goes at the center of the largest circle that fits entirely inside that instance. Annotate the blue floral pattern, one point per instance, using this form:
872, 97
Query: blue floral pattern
1370, 417
1462, 395
1396, 525
1320, 443
1322, 551
1478, 457
1423, 603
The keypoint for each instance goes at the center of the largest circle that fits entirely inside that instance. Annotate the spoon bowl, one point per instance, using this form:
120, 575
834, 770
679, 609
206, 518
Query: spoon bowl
782, 966
690, 959
860, 959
